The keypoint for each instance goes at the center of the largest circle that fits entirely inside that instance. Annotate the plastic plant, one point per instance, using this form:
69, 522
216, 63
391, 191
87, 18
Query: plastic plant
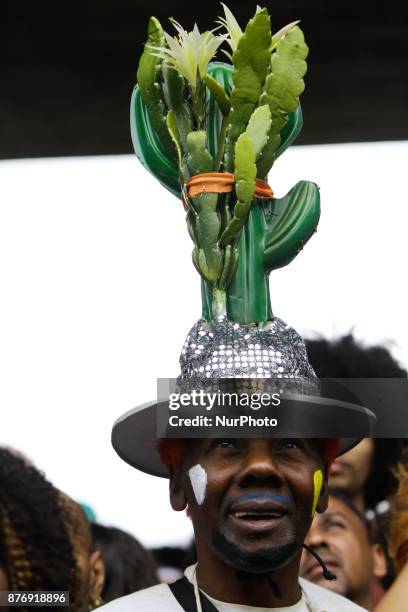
191, 116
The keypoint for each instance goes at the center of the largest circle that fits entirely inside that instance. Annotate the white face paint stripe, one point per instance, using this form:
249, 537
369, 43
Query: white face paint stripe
198, 478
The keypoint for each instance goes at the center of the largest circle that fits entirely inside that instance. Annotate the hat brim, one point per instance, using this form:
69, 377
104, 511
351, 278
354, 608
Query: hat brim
135, 440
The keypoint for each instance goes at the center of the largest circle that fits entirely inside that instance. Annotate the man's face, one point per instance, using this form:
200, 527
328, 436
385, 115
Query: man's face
251, 500
340, 537
350, 471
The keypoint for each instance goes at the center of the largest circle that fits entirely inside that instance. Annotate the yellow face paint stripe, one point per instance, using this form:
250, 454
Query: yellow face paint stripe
318, 483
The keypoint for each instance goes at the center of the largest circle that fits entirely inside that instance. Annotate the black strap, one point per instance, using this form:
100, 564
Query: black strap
183, 591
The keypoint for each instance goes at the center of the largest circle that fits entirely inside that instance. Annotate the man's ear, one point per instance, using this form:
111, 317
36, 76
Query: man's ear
178, 499
97, 575
324, 492
379, 561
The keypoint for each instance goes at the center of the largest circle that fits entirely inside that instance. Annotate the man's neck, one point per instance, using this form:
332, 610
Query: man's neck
277, 589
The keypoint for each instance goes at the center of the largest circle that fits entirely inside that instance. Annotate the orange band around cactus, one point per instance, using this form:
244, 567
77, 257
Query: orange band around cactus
222, 182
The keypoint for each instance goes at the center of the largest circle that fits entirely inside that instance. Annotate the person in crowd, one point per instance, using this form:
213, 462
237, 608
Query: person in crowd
251, 502
364, 474
396, 598
87, 555
342, 538
40, 536
129, 567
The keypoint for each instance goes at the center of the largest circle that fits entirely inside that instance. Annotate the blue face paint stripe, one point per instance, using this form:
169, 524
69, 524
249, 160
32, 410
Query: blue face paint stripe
270, 496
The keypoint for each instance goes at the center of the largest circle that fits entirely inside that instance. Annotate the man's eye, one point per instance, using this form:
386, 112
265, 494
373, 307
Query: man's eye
335, 525
291, 444
225, 443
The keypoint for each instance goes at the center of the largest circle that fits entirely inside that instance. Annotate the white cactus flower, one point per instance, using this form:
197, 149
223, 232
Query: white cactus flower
189, 52
233, 28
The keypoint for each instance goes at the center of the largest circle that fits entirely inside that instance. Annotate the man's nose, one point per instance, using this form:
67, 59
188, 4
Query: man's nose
260, 466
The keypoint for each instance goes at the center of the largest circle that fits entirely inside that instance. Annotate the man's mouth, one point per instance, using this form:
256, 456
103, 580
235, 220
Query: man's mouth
255, 516
259, 514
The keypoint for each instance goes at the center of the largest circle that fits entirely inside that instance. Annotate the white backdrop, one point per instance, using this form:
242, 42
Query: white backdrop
98, 293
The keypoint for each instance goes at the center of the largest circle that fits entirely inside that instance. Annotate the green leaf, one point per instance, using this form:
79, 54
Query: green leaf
174, 93
221, 97
229, 264
245, 175
199, 160
283, 87
245, 169
207, 227
251, 61
282, 32
174, 134
190, 218
258, 128
173, 87
207, 231
148, 78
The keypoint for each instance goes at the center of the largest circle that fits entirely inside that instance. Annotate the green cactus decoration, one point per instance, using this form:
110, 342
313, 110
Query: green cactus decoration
234, 118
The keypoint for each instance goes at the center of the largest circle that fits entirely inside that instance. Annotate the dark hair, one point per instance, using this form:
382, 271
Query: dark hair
35, 548
129, 566
345, 358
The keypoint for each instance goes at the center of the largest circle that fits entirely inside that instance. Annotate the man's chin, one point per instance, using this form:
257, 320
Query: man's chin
260, 560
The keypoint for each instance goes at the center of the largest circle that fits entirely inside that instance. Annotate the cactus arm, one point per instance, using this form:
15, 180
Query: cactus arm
207, 254
174, 97
251, 65
274, 233
198, 158
148, 77
245, 175
282, 89
148, 147
290, 222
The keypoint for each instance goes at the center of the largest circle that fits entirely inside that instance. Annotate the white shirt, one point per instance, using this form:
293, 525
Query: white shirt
160, 599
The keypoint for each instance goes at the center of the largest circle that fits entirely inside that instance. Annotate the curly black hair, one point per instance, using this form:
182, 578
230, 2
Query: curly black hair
345, 358
36, 553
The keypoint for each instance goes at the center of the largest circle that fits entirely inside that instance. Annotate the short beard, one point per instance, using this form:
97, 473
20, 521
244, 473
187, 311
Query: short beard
263, 561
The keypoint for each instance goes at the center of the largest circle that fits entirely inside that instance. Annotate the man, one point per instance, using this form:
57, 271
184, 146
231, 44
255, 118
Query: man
251, 502
341, 537
365, 473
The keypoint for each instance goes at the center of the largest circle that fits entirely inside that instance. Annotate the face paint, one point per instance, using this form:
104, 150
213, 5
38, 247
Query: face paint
278, 498
318, 483
198, 479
